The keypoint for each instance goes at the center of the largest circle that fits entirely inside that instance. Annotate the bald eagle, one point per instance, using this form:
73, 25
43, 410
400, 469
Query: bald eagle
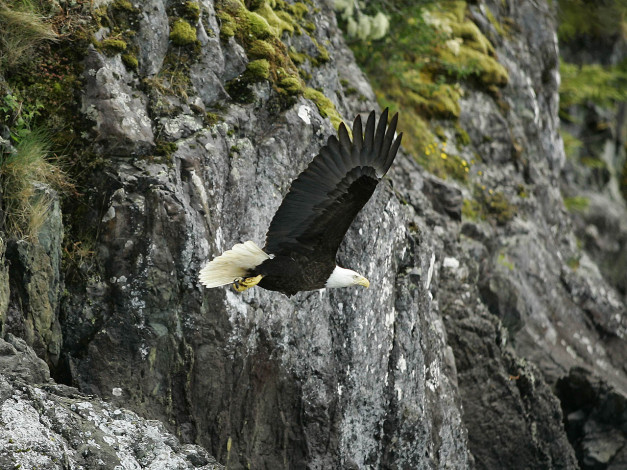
310, 224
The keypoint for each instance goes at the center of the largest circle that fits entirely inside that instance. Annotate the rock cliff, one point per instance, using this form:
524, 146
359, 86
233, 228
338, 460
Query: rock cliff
470, 347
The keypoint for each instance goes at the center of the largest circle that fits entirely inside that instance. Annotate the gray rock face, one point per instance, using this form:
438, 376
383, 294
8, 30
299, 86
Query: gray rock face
352, 382
446, 362
34, 284
596, 419
152, 37
4, 285
20, 361
116, 106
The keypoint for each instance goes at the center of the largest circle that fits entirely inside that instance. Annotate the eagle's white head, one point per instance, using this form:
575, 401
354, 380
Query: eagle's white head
341, 277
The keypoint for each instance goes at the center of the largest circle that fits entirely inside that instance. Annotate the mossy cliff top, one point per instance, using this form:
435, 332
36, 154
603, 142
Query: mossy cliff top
422, 67
261, 28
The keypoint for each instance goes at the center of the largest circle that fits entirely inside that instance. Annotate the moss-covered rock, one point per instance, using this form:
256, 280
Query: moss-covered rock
488, 204
280, 24
191, 11
325, 106
130, 61
182, 33
258, 70
293, 85
112, 46
443, 163
258, 26
576, 203
431, 55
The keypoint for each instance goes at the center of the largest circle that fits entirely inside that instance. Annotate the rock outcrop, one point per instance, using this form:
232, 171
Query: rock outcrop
51, 426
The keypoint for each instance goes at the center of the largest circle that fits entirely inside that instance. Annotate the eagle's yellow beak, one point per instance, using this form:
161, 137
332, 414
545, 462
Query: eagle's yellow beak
362, 281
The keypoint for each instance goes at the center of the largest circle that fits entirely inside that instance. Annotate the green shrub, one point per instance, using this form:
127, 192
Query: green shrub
598, 84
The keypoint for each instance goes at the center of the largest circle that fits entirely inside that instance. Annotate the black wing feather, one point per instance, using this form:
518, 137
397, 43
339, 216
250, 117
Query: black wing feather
325, 198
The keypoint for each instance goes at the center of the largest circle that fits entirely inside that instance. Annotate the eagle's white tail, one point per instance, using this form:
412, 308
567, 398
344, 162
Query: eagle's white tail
232, 264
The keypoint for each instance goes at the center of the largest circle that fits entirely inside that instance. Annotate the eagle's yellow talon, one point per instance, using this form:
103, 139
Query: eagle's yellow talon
241, 284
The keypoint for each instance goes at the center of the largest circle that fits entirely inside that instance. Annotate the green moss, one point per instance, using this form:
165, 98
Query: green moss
182, 33
323, 54
472, 36
489, 205
437, 160
120, 17
501, 29
297, 57
461, 136
257, 26
165, 149
419, 67
593, 163
258, 70
309, 26
281, 22
469, 61
573, 262
291, 84
504, 260
522, 191
124, 5
260, 49
258, 29
499, 207
239, 88
581, 19
130, 61
228, 26
471, 209
298, 10
191, 11
572, 145
325, 106
211, 118
113, 46
173, 79
576, 203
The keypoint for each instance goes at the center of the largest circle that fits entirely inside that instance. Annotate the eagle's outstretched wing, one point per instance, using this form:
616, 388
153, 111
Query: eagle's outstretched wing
325, 198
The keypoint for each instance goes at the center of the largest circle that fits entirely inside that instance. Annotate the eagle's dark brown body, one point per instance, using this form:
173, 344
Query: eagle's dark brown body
283, 274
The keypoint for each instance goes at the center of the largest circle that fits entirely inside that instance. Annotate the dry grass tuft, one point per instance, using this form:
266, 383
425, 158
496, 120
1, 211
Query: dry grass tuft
25, 177
22, 28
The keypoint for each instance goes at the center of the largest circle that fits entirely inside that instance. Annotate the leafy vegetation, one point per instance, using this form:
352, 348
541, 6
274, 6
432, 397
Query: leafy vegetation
576, 203
591, 18
32, 86
600, 83
488, 204
442, 163
417, 68
594, 83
